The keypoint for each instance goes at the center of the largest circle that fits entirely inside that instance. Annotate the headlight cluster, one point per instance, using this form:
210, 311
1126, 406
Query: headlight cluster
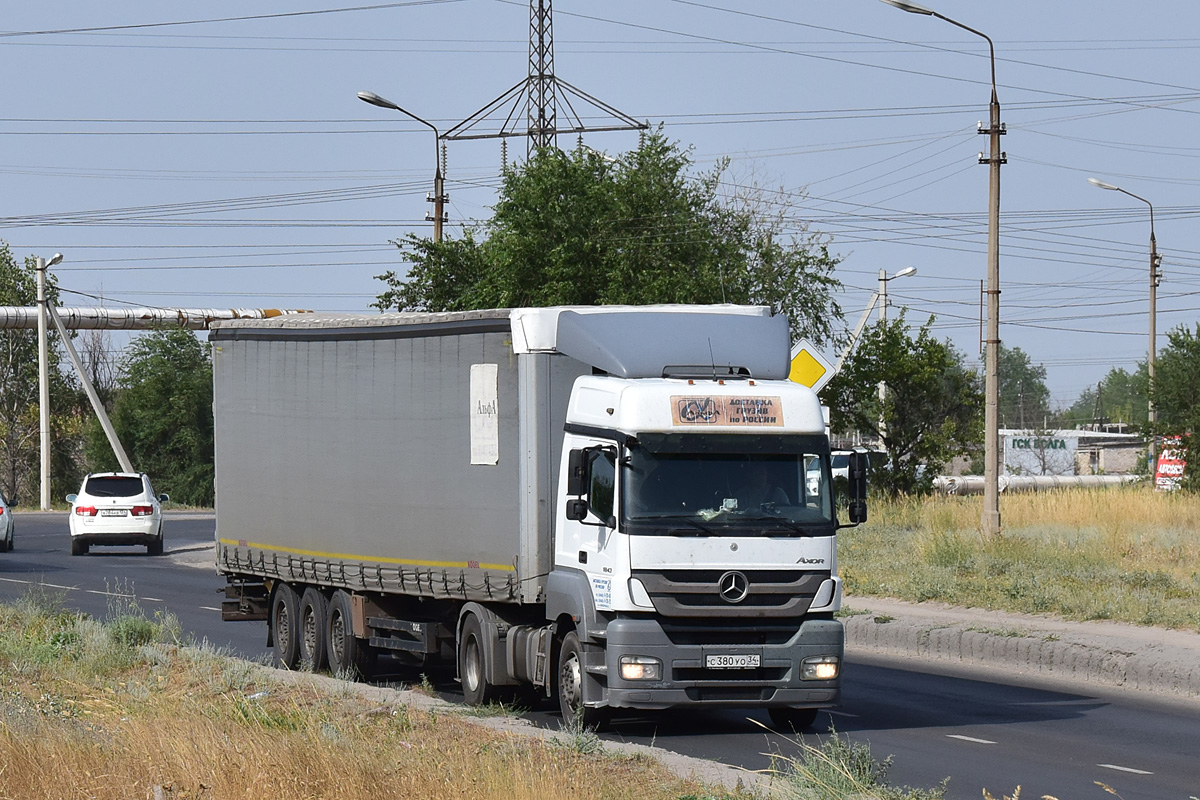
640, 668
820, 668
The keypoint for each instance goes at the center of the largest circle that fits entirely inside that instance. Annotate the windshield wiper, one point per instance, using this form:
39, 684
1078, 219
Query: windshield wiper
783, 522
674, 518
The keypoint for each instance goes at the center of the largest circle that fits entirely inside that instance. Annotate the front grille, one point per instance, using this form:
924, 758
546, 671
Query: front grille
684, 632
727, 677
696, 593
749, 694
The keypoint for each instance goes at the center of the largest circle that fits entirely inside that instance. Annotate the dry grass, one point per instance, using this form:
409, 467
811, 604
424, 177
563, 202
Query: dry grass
114, 711
1124, 554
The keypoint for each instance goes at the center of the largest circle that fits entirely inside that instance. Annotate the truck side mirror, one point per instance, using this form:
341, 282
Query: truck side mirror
576, 473
857, 479
577, 510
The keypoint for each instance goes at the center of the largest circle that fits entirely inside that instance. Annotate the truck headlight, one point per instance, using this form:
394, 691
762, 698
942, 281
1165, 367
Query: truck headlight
640, 668
820, 668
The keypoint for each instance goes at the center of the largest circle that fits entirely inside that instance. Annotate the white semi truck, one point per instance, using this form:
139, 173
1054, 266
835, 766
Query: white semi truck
624, 507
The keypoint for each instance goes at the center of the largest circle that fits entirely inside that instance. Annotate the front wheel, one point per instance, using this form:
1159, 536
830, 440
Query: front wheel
787, 719
570, 688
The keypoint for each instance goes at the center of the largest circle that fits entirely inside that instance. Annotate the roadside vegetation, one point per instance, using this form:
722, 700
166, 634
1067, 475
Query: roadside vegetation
123, 708
1129, 554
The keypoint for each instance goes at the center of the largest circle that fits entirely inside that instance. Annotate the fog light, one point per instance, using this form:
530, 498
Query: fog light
819, 668
640, 668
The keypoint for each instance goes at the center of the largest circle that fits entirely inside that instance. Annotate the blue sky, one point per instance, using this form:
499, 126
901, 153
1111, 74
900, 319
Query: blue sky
229, 164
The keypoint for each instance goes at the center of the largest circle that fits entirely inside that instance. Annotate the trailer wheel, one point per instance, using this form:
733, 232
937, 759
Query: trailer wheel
472, 665
788, 720
569, 688
314, 619
285, 625
349, 657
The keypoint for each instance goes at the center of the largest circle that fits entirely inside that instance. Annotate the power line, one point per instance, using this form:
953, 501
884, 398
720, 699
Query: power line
147, 25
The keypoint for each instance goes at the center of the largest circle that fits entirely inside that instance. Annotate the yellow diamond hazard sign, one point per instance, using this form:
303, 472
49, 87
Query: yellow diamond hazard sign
809, 367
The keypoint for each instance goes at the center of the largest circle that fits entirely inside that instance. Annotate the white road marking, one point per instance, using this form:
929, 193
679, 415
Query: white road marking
47, 585
88, 591
969, 739
1125, 769
840, 713
209, 608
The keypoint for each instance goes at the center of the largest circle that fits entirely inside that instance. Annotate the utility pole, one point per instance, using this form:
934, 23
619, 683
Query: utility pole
44, 382
990, 520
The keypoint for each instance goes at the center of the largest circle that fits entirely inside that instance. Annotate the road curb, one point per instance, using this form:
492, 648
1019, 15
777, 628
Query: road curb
1109, 654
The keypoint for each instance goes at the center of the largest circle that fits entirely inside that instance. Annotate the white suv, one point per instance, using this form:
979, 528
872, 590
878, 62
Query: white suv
116, 508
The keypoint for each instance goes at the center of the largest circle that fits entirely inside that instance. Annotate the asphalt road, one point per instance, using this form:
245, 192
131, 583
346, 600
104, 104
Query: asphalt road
936, 722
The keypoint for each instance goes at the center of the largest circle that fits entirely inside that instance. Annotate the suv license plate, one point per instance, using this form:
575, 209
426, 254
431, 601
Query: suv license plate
733, 661
112, 512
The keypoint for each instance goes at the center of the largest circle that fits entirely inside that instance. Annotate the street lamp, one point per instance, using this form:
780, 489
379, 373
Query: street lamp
1155, 278
884, 278
883, 290
439, 197
44, 378
991, 443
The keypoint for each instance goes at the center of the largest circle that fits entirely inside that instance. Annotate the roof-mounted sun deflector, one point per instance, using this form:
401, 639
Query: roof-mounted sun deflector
705, 372
643, 344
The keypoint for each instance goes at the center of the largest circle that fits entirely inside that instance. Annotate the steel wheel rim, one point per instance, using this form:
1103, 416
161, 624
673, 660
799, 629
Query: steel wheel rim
471, 670
571, 682
337, 637
310, 632
282, 631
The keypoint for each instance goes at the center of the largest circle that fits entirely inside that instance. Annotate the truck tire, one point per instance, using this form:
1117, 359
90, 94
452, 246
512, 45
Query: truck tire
79, 548
473, 666
285, 625
569, 688
788, 720
349, 656
314, 619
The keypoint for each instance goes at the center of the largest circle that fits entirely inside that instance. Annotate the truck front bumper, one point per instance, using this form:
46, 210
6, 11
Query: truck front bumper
688, 678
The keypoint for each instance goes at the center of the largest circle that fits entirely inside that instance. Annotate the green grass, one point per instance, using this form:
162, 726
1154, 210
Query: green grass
838, 769
1130, 555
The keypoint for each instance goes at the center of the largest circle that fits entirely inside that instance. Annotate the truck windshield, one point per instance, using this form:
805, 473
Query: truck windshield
727, 485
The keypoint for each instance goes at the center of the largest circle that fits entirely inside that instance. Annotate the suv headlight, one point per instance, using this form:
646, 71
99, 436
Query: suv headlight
820, 668
640, 668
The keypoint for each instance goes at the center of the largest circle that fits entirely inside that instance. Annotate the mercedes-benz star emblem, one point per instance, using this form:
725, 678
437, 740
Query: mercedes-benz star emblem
733, 587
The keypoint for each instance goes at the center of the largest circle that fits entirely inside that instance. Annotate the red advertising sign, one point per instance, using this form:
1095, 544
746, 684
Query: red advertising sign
1169, 469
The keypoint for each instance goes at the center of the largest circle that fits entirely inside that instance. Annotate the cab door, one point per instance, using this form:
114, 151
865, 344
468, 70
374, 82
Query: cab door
589, 541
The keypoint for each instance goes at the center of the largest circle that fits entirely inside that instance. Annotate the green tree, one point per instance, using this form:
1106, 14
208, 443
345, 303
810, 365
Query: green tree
933, 406
1176, 376
20, 439
580, 228
163, 415
1024, 398
1120, 397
